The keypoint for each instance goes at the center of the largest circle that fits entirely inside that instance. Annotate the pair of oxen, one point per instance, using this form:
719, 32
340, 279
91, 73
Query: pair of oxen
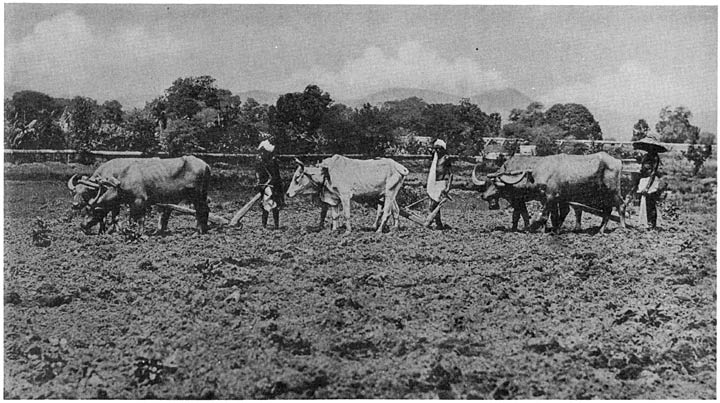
141, 183
557, 181
585, 182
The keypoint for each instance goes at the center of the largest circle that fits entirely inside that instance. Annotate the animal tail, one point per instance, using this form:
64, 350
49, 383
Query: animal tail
205, 187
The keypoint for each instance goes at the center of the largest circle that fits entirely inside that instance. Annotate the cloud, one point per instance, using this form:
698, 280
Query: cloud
634, 91
412, 66
634, 87
64, 56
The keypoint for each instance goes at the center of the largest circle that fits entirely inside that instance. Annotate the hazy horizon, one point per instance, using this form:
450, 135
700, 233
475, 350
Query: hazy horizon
623, 63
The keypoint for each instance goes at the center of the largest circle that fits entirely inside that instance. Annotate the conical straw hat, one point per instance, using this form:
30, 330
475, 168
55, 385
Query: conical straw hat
649, 144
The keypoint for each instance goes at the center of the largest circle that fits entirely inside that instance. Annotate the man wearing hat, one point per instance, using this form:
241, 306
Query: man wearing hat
648, 184
269, 181
439, 179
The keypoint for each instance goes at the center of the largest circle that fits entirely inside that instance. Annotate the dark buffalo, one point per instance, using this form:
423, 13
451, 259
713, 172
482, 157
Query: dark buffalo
557, 180
86, 188
591, 180
514, 183
142, 183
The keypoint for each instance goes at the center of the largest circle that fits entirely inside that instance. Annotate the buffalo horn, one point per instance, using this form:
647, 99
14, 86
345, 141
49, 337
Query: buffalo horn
71, 183
297, 161
476, 180
95, 199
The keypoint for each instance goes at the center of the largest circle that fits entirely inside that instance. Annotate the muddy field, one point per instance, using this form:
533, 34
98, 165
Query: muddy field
473, 312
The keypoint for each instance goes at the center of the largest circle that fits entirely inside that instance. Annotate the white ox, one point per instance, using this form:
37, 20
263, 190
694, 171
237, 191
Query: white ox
337, 180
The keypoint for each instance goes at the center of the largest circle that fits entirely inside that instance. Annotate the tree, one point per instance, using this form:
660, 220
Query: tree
208, 117
243, 127
532, 116
374, 129
707, 138
31, 121
82, 118
511, 147
111, 112
182, 138
157, 110
405, 113
516, 130
141, 133
546, 146
188, 96
545, 138
575, 120
339, 133
697, 154
674, 126
32, 105
574, 148
44, 133
640, 130
461, 126
296, 118
523, 120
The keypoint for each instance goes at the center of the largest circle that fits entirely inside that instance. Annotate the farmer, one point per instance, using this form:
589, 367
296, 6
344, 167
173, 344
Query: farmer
439, 179
648, 185
269, 182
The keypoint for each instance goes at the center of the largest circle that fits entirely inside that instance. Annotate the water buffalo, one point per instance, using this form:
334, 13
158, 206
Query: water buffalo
591, 180
514, 183
86, 188
337, 180
142, 183
556, 180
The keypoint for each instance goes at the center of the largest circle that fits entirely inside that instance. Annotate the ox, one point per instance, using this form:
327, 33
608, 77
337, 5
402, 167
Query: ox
337, 180
514, 183
86, 188
592, 180
146, 182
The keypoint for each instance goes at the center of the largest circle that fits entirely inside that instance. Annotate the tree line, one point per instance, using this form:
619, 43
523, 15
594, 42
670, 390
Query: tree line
194, 115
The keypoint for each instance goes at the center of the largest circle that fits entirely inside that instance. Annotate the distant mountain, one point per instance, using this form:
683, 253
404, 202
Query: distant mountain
500, 101
397, 94
262, 97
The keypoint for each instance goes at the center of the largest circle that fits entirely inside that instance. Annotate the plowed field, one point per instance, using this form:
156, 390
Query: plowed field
472, 312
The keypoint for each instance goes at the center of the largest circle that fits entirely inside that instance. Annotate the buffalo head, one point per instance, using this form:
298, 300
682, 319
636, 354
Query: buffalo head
490, 192
84, 189
492, 196
108, 194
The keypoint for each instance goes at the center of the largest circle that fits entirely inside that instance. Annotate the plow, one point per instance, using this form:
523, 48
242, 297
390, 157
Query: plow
411, 215
214, 218
406, 212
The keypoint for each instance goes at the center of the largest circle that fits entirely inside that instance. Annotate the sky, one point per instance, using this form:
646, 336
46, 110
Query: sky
622, 62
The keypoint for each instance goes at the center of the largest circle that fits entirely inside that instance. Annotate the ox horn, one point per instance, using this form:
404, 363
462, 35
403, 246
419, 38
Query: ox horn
476, 180
71, 183
297, 161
